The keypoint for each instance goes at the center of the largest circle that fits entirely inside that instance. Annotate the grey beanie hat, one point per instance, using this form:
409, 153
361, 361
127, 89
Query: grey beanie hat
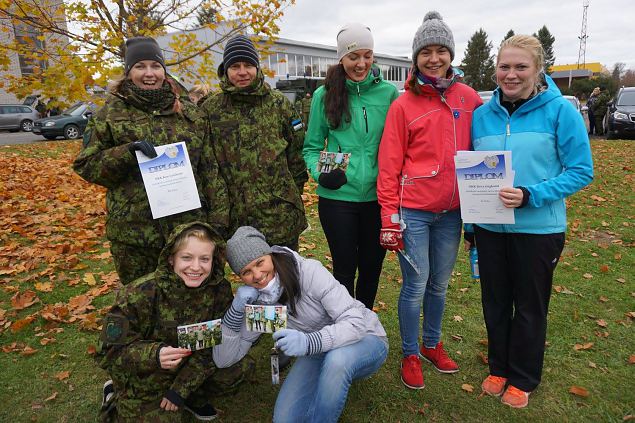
353, 36
245, 246
433, 31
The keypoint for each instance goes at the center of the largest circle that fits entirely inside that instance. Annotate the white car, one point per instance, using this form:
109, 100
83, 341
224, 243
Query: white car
574, 102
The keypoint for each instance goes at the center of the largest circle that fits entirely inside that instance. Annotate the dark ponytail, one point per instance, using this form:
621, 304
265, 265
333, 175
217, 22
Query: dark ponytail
336, 99
287, 270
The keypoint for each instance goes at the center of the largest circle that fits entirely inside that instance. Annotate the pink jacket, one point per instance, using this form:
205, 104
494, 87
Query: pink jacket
416, 155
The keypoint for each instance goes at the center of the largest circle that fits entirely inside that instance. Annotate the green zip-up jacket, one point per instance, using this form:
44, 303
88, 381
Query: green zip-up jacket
259, 154
105, 159
368, 101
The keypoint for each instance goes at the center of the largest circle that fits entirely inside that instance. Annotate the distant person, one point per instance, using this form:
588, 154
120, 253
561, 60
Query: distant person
257, 139
336, 338
347, 116
551, 157
590, 112
145, 109
418, 193
198, 94
306, 109
600, 107
153, 379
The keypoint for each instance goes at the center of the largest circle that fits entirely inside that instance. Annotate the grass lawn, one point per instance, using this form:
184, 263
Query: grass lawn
57, 279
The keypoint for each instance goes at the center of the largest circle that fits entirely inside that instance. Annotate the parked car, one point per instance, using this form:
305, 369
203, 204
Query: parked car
620, 116
486, 95
16, 117
574, 102
70, 124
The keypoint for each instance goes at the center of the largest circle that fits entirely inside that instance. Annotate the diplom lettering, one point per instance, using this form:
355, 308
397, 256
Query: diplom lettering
490, 175
166, 166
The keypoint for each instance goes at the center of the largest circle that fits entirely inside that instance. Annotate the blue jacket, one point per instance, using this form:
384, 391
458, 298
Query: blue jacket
551, 155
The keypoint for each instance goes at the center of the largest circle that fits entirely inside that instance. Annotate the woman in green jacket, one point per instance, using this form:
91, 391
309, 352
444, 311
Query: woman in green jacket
347, 117
147, 108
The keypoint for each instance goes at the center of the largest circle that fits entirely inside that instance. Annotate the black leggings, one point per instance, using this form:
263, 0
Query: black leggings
352, 231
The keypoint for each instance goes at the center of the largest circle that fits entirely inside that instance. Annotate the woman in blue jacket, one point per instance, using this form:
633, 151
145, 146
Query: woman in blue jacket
551, 156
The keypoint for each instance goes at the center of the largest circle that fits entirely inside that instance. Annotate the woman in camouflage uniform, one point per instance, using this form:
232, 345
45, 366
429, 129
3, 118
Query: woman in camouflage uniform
145, 109
257, 140
153, 380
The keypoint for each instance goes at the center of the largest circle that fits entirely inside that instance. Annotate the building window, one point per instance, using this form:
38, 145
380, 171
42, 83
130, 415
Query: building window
27, 36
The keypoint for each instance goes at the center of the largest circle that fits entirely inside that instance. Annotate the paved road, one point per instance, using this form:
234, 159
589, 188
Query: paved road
8, 138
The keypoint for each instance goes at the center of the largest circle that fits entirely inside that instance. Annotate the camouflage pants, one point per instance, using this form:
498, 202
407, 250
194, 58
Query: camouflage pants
222, 382
132, 262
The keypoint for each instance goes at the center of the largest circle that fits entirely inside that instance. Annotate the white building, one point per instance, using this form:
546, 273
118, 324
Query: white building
292, 59
19, 65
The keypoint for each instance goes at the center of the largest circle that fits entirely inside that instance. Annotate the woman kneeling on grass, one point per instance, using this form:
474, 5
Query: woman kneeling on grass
152, 379
336, 338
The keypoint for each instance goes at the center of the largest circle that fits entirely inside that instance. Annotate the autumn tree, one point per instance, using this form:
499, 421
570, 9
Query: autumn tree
478, 62
618, 70
547, 40
90, 49
628, 79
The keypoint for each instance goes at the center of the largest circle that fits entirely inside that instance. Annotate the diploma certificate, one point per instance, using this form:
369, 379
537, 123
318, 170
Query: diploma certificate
169, 180
480, 175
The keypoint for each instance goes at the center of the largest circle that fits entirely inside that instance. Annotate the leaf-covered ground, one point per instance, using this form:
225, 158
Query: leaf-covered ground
57, 278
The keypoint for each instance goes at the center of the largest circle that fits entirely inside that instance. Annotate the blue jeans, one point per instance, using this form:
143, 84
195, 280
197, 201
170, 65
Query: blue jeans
316, 387
432, 241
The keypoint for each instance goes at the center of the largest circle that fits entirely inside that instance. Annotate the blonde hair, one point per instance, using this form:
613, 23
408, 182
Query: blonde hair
528, 43
199, 232
200, 90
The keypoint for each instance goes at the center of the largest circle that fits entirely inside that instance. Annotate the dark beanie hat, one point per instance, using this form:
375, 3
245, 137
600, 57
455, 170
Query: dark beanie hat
142, 48
238, 49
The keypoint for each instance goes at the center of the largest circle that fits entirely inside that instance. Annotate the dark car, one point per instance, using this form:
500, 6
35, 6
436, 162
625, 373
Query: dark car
620, 117
70, 124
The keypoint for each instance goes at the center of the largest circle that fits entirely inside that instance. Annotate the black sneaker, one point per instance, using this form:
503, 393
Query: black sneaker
204, 413
108, 392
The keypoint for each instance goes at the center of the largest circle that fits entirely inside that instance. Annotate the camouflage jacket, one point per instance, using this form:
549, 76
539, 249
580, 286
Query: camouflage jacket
105, 160
144, 319
260, 157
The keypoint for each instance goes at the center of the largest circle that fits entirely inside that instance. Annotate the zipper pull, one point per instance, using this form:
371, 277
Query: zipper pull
508, 133
365, 118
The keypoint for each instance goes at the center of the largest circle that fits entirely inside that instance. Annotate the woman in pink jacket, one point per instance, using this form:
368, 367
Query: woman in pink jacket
418, 194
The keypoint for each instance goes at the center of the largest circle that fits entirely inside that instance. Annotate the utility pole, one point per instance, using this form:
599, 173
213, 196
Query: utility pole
583, 36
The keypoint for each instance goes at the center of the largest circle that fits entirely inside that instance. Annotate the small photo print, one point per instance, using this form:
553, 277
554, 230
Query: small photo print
265, 318
198, 336
331, 161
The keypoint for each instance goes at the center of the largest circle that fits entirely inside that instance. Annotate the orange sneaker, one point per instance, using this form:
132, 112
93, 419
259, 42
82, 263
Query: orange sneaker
411, 374
515, 398
494, 385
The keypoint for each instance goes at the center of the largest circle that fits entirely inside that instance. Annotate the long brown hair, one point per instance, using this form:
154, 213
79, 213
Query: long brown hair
336, 104
287, 270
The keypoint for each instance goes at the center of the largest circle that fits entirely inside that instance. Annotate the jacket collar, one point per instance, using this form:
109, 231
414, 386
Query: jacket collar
374, 77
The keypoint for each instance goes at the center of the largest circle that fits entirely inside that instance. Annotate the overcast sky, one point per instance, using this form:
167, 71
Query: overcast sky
610, 29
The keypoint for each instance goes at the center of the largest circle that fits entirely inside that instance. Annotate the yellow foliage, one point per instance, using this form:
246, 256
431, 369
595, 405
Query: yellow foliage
90, 51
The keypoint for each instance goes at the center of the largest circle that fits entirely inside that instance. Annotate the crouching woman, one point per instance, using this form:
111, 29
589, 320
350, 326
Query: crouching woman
337, 339
153, 379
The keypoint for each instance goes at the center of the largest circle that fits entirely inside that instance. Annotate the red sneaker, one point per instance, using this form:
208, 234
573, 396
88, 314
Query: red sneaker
494, 385
515, 397
439, 358
411, 374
